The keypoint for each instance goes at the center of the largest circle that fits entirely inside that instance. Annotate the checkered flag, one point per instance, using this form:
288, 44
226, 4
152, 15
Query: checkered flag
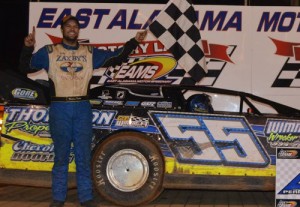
289, 76
177, 29
139, 119
111, 71
214, 70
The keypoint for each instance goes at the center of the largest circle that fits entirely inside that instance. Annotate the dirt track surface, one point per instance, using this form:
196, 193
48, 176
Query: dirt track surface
20, 196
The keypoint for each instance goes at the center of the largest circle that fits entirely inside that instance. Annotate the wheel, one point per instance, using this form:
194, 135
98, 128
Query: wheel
128, 169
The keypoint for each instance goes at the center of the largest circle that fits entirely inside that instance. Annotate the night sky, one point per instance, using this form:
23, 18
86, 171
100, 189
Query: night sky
14, 24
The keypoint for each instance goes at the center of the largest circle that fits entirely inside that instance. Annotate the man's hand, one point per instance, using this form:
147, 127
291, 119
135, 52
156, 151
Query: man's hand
29, 41
140, 36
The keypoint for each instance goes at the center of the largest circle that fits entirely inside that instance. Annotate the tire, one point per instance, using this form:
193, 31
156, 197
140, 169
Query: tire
128, 169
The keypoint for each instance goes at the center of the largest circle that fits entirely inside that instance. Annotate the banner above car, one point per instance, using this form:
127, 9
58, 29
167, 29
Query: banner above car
253, 49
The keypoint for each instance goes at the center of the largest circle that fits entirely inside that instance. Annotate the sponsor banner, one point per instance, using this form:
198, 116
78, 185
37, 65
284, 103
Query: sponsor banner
254, 49
287, 177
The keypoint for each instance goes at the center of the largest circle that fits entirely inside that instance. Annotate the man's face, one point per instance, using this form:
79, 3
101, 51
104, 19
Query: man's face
70, 30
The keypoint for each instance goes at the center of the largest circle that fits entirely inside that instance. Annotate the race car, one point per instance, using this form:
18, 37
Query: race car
151, 137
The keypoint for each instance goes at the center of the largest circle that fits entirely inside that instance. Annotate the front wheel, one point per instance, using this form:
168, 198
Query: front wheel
128, 169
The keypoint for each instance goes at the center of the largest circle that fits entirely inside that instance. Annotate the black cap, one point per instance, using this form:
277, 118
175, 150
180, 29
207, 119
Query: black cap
68, 18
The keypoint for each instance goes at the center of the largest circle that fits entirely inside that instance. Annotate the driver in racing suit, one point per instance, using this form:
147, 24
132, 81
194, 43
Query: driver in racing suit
69, 66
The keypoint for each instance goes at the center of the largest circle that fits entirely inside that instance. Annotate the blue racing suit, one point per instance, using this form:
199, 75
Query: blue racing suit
70, 118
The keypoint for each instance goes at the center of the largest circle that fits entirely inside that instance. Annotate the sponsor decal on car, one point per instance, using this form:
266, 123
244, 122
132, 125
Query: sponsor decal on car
103, 118
113, 103
24, 93
105, 95
132, 121
132, 103
164, 104
120, 95
283, 132
33, 121
151, 104
26, 141
28, 151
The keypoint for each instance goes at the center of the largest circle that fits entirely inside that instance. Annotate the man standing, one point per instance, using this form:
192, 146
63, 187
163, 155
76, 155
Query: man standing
69, 66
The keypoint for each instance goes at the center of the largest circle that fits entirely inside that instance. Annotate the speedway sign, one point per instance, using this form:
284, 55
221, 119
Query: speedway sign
254, 49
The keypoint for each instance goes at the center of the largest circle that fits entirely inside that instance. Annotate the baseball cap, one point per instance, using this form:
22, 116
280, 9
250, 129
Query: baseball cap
68, 18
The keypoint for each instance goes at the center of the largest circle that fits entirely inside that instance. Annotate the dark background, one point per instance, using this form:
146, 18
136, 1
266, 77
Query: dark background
15, 15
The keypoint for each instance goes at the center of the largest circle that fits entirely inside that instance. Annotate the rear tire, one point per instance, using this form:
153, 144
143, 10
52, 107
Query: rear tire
128, 169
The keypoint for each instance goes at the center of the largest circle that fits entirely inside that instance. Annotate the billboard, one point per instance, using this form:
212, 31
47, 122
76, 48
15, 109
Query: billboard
251, 49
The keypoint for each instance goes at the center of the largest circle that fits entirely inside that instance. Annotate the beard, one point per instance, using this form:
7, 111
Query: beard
72, 39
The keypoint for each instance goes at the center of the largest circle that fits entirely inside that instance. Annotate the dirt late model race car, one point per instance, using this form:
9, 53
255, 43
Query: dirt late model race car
148, 138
